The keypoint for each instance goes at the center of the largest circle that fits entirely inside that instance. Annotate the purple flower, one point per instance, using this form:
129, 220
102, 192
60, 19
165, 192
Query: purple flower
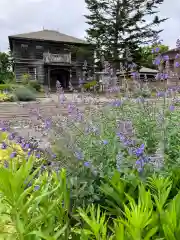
6, 164
134, 74
11, 136
29, 153
152, 51
47, 123
177, 64
3, 129
157, 49
20, 140
87, 164
36, 188
13, 154
53, 155
171, 108
105, 142
166, 58
27, 146
79, 155
81, 81
116, 103
177, 56
160, 94
3, 145
157, 61
38, 155
140, 150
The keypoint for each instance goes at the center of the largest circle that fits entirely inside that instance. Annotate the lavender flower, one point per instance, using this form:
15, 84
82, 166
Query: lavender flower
177, 56
140, 150
3, 145
11, 136
87, 164
6, 164
157, 49
171, 108
13, 155
105, 142
157, 61
166, 58
36, 188
177, 64
79, 155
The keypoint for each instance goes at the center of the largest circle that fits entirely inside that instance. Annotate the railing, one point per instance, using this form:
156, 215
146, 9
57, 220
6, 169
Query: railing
57, 58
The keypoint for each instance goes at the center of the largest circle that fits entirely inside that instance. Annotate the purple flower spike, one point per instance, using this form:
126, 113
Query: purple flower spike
36, 188
177, 56
87, 164
13, 155
27, 146
157, 49
4, 145
29, 154
166, 58
171, 108
6, 164
38, 155
11, 136
105, 142
79, 155
177, 64
3, 129
140, 150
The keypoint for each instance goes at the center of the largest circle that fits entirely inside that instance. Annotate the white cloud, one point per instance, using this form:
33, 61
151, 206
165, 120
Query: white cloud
19, 16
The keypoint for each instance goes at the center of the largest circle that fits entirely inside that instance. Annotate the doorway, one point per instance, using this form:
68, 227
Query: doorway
61, 75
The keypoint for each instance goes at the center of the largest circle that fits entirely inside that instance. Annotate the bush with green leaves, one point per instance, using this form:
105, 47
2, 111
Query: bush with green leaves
24, 94
38, 206
35, 84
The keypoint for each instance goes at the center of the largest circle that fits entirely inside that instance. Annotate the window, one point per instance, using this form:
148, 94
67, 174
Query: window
32, 72
24, 51
24, 46
39, 52
39, 47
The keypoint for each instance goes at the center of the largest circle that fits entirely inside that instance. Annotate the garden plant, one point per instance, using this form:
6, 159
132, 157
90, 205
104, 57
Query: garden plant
112, 171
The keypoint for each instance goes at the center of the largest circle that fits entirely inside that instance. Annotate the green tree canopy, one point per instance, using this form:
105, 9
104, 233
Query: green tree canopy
115, 25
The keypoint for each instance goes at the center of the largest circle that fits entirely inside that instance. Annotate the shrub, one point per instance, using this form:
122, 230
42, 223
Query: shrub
35, 84
89, 85
24, 94
7, 87
6, 97
25, 78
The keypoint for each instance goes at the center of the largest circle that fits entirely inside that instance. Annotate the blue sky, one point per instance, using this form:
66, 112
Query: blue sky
20, 16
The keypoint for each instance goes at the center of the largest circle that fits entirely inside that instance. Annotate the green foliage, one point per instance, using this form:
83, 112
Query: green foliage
35, 84
25, 79
89, 85
23, 93
7, 87
147, 55
145, 93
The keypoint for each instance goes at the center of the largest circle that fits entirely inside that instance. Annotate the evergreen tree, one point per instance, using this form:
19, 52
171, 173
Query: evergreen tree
115, 25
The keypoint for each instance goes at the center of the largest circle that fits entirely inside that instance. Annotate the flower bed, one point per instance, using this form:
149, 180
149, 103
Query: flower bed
6, 97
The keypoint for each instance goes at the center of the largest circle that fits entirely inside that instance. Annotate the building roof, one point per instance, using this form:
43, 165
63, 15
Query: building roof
148, 70
49, 35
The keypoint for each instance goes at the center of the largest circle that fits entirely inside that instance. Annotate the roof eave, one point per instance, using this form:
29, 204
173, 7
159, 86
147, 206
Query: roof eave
44, 40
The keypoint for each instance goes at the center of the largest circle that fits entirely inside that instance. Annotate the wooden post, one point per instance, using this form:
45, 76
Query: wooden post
49, 86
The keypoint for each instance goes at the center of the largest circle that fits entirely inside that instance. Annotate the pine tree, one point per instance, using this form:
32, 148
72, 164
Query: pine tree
115, 25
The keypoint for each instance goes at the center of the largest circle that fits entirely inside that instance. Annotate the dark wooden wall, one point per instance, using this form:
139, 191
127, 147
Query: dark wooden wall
30, 54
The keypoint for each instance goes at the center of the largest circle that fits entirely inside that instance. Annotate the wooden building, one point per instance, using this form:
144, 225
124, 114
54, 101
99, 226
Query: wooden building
48, 56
